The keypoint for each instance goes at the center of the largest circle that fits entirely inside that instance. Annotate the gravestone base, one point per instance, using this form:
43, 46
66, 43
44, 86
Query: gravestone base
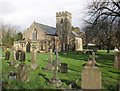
34, 66
49, 66
91, 78
56, 82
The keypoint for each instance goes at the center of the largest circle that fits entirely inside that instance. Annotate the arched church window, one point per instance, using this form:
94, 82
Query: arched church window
34, 34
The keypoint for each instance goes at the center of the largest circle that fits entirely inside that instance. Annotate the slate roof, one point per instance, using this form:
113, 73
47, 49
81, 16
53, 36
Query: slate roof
75, 34
47, 29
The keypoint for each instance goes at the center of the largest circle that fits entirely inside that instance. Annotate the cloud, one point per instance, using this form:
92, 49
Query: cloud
24, 12
7, 8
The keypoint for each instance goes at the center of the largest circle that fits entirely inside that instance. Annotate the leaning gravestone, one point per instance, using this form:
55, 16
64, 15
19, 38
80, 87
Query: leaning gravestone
7, 55
91, 76
22, 72
117, 60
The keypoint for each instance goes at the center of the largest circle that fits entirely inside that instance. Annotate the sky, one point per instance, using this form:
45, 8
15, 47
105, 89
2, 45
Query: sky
23, 12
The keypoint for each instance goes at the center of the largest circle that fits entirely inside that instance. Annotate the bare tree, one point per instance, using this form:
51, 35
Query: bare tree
108, 13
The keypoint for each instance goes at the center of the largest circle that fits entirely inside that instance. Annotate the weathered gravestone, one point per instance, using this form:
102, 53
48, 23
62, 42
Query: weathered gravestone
63, 68
7, 55
22, 56
33, 59
91, 76
117, 60
16, 55
22, 72
13, 61
49, 65
55, 80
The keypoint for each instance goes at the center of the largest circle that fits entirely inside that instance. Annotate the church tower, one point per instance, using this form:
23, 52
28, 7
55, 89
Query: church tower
63, 28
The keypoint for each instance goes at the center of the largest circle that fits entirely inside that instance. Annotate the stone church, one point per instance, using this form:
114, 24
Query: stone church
43, 37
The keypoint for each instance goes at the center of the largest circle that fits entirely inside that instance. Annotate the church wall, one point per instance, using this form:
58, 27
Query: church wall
28, 33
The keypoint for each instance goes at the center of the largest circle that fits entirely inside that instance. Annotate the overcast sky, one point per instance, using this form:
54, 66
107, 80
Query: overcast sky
24, 12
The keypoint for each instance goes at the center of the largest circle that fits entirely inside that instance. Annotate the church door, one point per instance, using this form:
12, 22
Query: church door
28, 47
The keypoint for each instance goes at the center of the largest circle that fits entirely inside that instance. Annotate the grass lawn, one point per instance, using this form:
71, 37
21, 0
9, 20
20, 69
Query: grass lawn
39, 77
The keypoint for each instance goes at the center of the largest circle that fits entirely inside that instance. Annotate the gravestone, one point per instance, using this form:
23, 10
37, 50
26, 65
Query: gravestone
63, 68
7, 55
117, 60
78, 44
55, 80
22, 56
17, 55
49, 65
13, 61
22, 72
33, 59
91, 76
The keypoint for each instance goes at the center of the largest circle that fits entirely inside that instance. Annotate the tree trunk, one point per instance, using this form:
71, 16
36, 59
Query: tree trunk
109, 45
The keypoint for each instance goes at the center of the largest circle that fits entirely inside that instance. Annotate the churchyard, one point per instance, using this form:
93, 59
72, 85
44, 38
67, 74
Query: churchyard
38, 75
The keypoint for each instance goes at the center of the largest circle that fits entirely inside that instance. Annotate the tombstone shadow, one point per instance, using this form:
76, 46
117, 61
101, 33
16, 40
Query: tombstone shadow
44, 76
73, 55
73, 70
73, 84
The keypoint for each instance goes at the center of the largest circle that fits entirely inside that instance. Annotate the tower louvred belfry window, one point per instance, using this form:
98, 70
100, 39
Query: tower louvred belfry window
61, 20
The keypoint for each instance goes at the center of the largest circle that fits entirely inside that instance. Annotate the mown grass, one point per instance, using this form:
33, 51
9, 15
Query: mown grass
39, 78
